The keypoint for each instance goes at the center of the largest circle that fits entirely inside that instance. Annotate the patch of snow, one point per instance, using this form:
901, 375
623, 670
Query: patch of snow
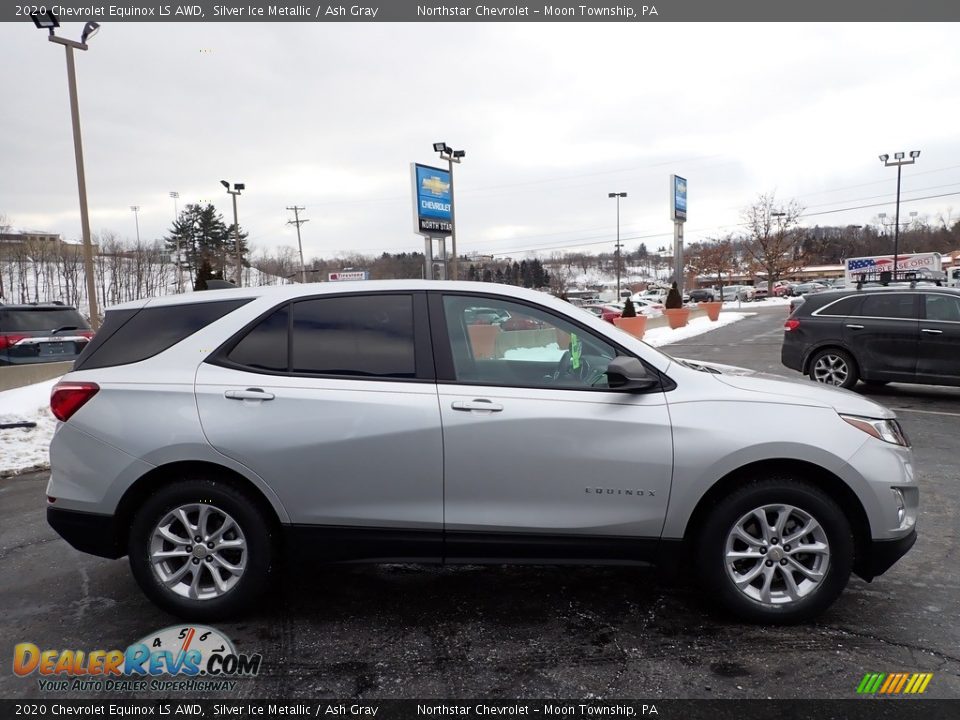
547, 353
23, 449
697, 326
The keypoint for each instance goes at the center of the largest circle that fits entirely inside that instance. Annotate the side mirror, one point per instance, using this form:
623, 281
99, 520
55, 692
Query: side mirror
628, 373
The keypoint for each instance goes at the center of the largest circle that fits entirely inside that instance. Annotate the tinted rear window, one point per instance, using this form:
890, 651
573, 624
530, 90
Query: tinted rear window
842, 308
358, 335
265, 346
129, 336
40, 319
892, 305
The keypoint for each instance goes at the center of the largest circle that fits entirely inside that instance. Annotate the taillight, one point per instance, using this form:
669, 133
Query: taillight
791, 324
68, 397
9, 340
86, 333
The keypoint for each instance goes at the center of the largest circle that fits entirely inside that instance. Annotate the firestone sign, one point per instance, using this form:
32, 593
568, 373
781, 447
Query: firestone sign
345, 275
432, 202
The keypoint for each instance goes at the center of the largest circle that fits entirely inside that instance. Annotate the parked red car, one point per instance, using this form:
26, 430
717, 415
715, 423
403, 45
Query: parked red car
604, 312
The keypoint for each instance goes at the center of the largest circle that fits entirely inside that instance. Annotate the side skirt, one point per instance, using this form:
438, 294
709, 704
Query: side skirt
334, 544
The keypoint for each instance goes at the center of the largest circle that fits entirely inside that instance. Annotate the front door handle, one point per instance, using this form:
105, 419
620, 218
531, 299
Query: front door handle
855, 327
479, 405
931, 331
248, 394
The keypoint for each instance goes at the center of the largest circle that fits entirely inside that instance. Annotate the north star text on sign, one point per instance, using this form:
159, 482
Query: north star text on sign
354, 11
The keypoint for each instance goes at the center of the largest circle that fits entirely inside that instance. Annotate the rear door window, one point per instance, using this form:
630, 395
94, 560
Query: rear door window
899, 306
361, 335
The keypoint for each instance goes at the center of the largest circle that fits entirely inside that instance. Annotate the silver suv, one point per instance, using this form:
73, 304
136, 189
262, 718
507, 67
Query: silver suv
208, 436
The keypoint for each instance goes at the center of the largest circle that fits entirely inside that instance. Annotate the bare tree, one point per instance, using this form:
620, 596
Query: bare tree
773, 243
714, 258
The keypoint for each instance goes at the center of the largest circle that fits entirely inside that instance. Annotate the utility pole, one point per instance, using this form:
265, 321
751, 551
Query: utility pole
298, 222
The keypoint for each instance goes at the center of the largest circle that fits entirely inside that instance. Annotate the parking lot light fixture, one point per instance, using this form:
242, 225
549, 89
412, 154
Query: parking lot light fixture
136, 217
48, 21
899, 160
451, 156
237, 188
617, 195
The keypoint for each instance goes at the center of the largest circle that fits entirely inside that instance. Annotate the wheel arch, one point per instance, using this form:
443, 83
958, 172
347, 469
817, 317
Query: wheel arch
147, 483
830, 484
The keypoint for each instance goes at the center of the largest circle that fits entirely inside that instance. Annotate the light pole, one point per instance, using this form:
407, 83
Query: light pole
451, 156
617, 195
48, 21
779, 216
136, 219
174, 195
237, 187
899, 161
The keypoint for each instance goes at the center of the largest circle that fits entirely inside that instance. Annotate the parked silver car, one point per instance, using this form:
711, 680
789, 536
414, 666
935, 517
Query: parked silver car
208, 436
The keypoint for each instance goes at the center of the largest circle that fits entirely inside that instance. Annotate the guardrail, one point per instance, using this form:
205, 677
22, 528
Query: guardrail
14, 376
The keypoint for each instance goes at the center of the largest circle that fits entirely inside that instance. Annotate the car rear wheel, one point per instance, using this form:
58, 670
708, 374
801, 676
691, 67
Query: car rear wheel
834, 367
778, 550
201, 549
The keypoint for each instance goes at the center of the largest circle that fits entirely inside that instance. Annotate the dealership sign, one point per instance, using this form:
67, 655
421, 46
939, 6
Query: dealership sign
345, 275
432, 200
678, 198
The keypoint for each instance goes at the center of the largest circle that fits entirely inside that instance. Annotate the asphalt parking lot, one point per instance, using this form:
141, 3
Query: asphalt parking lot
499, 632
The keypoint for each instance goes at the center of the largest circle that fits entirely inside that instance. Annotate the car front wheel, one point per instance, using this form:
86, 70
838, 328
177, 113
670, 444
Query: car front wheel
200, 549
834, 367
778, 550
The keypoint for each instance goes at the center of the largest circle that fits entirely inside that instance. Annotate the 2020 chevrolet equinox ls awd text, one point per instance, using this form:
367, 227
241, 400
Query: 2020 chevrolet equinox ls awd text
208, 436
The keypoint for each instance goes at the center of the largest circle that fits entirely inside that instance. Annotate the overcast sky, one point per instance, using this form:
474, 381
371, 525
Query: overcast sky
552, 117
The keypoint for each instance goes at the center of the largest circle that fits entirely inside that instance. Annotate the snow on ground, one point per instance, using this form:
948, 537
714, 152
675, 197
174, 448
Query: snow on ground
664, 335
23, 449
767, 302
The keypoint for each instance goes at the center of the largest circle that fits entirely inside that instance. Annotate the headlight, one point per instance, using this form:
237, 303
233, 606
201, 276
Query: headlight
886, 430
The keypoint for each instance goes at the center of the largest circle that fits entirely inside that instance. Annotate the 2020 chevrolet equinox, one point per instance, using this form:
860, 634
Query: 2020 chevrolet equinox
206, 436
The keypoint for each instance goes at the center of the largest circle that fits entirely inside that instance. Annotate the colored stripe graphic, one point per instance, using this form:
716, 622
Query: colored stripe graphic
894, 683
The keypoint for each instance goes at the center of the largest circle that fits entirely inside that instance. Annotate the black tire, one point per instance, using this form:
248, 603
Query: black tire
840, 361
255, 532
770, 491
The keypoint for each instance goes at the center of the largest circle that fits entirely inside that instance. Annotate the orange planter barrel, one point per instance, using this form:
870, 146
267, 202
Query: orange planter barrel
636, 326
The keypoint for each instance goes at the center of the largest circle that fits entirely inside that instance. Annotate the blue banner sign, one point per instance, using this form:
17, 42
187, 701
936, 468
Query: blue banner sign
678, 192
432, 197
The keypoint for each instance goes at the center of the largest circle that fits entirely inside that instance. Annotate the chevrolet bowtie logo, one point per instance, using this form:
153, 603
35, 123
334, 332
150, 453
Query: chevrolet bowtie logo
435, 185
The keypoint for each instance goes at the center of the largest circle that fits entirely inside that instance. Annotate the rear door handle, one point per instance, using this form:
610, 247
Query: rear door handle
248, 394
855, 327
480, 405
931, 331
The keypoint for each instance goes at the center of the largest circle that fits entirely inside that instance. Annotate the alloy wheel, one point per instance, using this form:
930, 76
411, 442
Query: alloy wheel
831, 370
198, 551
777, 554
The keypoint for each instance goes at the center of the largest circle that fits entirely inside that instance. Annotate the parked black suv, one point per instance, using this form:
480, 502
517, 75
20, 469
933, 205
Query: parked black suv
899, 333
703, 295
41, 333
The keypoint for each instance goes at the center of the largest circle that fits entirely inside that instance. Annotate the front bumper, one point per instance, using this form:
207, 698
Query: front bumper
88, 532
880, 555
